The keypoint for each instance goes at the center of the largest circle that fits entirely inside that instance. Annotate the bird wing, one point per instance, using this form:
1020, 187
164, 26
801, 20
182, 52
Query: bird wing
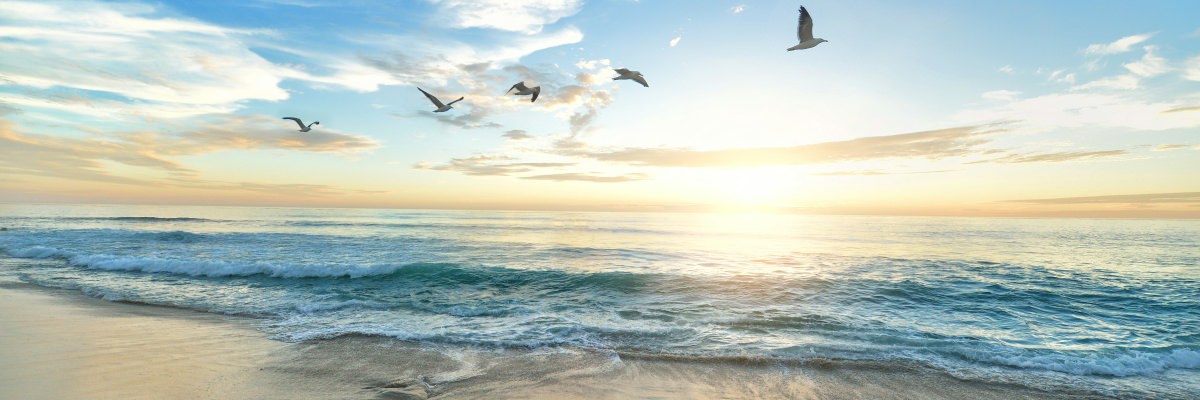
622, 71
297, 121
459, 99
435, 101
804, 30
517, 86
641, 79
536, 91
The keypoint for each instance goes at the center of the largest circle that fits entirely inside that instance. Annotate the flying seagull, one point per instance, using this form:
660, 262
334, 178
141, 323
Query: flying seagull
523, 90
804, 32
440, 107
631, 75
303, 128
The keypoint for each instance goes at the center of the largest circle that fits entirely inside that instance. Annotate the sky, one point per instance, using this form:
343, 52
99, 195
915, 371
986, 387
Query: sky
982, 108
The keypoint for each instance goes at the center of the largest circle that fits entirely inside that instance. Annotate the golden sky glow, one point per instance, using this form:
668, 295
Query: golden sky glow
166, 103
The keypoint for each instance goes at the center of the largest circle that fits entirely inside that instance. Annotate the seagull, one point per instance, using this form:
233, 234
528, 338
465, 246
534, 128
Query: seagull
440, 107
804, 32
523, 90
631, 75
303, 128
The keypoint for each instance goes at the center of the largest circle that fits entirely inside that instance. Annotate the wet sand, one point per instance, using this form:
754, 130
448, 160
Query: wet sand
58, 344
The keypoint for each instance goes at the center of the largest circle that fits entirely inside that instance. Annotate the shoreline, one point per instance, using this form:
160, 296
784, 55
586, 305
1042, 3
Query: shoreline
59, 344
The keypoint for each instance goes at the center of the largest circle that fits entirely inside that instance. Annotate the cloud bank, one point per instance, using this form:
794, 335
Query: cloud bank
935, 144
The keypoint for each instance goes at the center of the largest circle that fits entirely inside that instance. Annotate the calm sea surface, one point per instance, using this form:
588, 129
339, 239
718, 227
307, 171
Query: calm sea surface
1107, 306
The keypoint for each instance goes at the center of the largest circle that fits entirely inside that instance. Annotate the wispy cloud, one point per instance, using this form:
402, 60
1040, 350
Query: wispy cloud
1169, 147
1119, 82
1147, 198
1192, 69
489, 165
1151, 64
738, 9
249, 132
414, 60
937, 144
1077, 109
6, 109
472, 118
88, 158
78, 159
1119, 46
588, 177
528, 16
676, 40
574, 98
517, 135
876, 172
296, 3
1006, 95
280, 189
1007, 69
1182, 109
1053, 157
130, 51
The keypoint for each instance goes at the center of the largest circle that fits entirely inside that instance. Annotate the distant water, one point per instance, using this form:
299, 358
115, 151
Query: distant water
1104, 306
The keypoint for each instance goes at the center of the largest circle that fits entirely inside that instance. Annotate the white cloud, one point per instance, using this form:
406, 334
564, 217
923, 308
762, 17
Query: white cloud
593, 64
1007, 95
123, 49
1170, 147
1008, 69
298, 3
132, 60
1119, 82
1085, 110
112, 109
420, 61
1061, 76
1119, 46
1125, 101
1192, 69
88, 158
1150, 65
738, 9
676, 40
527, 16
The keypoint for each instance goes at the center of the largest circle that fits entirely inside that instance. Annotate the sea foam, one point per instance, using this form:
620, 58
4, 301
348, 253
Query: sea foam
1128, 364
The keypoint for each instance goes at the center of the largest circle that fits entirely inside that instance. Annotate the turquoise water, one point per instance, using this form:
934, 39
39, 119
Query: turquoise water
1104, 306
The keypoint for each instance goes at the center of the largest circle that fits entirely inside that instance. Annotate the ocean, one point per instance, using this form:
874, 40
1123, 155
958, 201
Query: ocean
1094, 306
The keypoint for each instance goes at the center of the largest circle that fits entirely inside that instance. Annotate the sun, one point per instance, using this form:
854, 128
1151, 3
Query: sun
753, 187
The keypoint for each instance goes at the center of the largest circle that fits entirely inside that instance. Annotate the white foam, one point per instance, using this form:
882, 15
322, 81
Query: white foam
38, 252
309, 308
1130, 364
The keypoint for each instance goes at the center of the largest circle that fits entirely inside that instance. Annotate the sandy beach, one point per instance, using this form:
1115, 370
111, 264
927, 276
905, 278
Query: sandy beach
59, 344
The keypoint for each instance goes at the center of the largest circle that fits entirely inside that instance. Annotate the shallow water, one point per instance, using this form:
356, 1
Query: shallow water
1102, 306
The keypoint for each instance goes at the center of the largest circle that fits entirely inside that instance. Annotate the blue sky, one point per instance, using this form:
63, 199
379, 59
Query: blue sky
1079, 108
